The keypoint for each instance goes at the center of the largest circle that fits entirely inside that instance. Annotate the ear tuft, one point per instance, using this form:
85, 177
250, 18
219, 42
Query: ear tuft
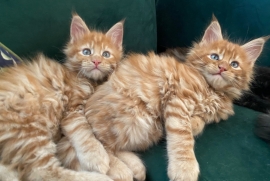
266, 38
214, 18
254, 48
78, 28
212, 32
116, 34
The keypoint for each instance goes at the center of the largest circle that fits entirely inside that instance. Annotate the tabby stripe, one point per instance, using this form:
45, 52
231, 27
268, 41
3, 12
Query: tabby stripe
46, 161
169, 114
181, 132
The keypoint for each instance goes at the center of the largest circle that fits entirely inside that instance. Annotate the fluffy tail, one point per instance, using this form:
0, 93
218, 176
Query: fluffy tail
262, 127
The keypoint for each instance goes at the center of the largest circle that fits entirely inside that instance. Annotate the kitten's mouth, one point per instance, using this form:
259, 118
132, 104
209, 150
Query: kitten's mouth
92, 69
218, 73
97, 69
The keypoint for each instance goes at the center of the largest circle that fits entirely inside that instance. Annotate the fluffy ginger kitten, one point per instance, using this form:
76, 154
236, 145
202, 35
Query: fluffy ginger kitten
40, 97
146, 94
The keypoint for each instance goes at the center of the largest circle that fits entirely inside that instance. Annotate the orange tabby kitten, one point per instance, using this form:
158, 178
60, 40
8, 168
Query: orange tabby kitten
147, 94
40, 97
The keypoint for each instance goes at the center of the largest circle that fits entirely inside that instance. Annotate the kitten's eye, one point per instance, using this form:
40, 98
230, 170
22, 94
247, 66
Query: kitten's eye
234, 64
214, 56
106, 54
86, 51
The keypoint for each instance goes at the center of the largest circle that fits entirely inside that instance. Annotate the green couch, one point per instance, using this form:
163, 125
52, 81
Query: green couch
228, 151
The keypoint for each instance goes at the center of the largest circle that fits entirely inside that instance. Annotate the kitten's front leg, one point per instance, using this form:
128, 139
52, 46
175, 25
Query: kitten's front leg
89, 151
183, 165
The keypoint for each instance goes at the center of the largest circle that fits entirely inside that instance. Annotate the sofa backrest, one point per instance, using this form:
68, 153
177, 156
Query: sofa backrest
28, 27
180, 22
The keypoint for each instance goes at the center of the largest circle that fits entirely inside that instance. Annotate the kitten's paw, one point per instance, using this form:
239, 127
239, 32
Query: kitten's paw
139, 172
119, 170
95, 160
93, 177
61, 174
134, 163
184, 170
120, 173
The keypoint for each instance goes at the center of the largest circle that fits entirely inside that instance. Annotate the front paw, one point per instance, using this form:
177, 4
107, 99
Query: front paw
187, 170
119, 171
95, 160
134, 163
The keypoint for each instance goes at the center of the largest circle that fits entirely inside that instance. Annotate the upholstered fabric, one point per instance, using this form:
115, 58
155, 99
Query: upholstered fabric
31, 26
181, 22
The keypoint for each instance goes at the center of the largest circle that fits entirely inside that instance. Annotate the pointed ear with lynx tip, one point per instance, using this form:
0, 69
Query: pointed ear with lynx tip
254, 48
116, 33
213, 32
214, 18
77, 28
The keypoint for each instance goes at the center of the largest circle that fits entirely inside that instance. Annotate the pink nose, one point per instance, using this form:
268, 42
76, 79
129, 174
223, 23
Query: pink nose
221, 68
96, 62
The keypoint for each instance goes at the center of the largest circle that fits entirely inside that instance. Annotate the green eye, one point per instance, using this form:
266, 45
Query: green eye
214, 56
234, 64
86, 51
106, 54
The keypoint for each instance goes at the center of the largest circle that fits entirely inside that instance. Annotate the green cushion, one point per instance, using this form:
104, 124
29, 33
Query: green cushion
181, 22
227, 151
31, 26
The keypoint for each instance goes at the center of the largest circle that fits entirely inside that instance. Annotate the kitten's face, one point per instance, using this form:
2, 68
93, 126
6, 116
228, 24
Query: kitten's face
223, 65
94, 54
226, 66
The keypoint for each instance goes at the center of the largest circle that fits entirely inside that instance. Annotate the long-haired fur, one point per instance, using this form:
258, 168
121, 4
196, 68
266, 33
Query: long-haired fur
41, 98
149, 94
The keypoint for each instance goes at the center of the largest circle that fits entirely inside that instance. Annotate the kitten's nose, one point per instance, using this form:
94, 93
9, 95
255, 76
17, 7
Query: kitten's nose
222, 68
96, 62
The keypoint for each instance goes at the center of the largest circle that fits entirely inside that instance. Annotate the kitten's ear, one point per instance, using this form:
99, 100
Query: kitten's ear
254, 48
116, 33
212, 32
77, 28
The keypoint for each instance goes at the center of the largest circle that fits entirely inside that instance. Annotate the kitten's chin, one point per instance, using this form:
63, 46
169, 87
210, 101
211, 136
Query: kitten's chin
94, 74
216, 81
219, 83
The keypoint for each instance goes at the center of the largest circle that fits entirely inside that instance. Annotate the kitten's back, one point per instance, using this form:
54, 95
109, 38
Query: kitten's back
25, 85
39, 69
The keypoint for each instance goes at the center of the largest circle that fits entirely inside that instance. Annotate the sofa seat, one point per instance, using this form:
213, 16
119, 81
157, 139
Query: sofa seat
227, 151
